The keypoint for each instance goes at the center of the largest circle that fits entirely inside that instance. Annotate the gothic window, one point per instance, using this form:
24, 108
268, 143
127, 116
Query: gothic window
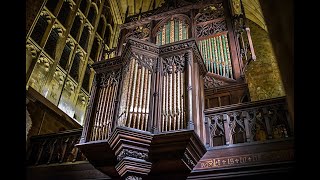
83, 6
51, 43
92, 14
65, 56
107, 35
174, 29
39, 29
85, 37
76, 67
64, 13
76, 26
108, 15
86, 79
51, 5
80, 108
94, 49
101, 26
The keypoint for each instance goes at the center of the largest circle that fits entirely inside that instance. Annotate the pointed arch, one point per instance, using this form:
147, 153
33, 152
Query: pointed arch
102, 26
93, 11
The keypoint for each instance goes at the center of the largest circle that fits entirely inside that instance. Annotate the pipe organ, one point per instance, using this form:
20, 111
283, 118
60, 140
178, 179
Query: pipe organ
170, 65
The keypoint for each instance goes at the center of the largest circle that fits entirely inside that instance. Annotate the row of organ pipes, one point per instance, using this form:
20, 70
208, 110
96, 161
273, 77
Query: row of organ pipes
173, 113
135, 99
105, 108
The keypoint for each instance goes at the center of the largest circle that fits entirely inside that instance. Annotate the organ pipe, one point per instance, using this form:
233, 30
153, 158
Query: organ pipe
105, 107
216, 55
173, 100
135, 102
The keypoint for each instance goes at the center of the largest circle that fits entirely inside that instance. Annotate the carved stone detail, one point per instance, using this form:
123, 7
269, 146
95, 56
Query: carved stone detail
132, 153
212, 28
58, 28
46, 16
32, 49
28, 121
110, 78
178, 61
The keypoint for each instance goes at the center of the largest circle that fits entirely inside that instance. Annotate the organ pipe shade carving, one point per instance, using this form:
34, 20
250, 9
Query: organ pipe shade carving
107, 95
173, 30
173, 93
135, 99
216, 55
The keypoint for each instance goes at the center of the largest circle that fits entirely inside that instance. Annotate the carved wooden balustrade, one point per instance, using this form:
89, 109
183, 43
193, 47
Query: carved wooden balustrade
247, 122
143, 110
55, 148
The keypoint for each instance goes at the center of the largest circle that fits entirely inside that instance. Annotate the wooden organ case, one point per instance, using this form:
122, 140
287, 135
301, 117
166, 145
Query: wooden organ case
145, 119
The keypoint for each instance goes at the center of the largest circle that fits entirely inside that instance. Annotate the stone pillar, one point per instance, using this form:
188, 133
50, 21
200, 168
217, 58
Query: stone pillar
279, 20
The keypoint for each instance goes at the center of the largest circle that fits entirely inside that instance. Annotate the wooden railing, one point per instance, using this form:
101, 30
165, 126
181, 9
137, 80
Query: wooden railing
54, 148
247, 122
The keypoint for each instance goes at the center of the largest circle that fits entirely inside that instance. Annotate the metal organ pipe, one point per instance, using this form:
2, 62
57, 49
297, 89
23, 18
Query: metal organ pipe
105, 108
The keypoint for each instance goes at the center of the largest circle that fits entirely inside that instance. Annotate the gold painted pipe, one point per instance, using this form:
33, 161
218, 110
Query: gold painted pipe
148, 101
132, 93
96, 122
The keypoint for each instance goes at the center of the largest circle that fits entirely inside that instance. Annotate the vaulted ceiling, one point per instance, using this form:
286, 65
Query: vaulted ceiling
252, 8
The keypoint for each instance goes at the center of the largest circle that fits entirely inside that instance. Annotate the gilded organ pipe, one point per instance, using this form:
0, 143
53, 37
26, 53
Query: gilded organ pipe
148, 101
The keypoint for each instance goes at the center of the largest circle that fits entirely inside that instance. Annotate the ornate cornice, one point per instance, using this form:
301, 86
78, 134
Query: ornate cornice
106, 65
143, 45
181, 45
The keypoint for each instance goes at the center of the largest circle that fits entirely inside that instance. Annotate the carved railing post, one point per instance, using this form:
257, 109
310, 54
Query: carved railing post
228, 132
207, 131
267, 122
156, 115
189, 62
245, 116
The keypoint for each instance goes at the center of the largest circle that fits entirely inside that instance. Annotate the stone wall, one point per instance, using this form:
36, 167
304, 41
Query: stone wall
263, 75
